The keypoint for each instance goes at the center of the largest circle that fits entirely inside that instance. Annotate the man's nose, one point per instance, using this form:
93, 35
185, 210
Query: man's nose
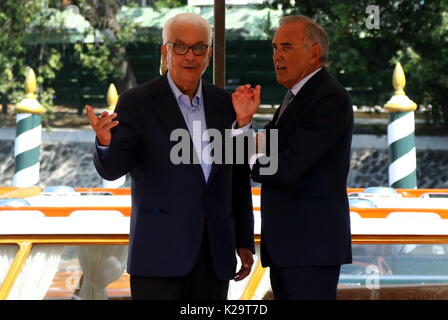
276, 55
189, 54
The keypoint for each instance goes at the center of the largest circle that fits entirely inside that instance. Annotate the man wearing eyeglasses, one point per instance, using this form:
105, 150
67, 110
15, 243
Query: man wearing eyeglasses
189, 220
305, 222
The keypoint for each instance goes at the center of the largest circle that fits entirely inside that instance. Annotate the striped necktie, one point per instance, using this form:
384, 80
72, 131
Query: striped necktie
288, 97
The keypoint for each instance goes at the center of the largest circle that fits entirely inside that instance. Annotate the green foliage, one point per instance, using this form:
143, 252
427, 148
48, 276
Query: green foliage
15, 19
104, 56
169, 3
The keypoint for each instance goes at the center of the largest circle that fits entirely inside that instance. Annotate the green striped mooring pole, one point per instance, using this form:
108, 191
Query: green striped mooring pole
28, 135
401, 136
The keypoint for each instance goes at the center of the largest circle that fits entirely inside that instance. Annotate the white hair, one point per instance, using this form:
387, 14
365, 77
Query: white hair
190, 18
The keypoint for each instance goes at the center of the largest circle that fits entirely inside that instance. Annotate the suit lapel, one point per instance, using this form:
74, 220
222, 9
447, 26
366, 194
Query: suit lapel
167, 108
274, 118
302, 99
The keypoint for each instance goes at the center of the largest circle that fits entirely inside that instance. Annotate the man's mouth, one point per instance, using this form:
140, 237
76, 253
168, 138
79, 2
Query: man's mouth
280, 67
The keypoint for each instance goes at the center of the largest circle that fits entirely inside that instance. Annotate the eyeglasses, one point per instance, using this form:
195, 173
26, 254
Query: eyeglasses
181, 49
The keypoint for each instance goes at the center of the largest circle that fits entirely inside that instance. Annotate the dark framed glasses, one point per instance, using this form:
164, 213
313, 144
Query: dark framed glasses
181, 49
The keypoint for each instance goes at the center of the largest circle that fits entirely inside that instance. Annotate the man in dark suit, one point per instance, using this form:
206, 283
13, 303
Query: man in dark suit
305, 231
188, 219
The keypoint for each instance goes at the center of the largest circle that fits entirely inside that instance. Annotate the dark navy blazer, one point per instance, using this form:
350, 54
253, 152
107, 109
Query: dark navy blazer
304, 205
171, 203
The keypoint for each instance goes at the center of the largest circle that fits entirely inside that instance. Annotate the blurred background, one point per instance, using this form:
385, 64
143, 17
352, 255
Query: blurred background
77, 48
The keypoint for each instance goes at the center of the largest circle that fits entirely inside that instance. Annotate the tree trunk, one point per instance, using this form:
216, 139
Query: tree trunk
102, 15
128, 79
4, 103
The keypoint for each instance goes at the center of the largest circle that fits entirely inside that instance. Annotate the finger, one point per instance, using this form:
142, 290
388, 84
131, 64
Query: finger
239, 89
249, 89
105, 119
257, 94
243, 273
111, 125
238, 275
91, 115
257, 90
243, 88
104, 114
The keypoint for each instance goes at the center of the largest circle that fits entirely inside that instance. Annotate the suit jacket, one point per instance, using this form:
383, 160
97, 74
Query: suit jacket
171, 203
304, 205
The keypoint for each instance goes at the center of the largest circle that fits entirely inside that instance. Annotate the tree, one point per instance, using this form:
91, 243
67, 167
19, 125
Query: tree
16, 17
107, 57
414, 32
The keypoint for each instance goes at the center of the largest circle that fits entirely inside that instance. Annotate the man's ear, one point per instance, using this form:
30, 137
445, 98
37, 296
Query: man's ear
209, 55
210, 52
315, 53
163, 51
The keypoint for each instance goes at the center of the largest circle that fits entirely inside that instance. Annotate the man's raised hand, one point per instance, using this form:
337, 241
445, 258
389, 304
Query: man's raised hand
101, 125
246, 101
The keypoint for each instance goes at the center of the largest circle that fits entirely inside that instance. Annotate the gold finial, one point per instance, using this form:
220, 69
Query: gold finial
399, 101
30, 104
399, 79
30, 84
112, 97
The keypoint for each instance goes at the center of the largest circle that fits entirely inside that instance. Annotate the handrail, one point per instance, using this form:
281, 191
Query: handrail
377, 213
382, 213
16, 267
26, 242
66, 211
406, 193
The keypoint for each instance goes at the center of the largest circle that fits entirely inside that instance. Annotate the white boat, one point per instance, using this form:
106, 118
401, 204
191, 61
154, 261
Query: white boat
65, 243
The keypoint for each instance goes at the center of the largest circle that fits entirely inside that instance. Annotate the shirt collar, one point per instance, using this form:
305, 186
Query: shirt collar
182, 98
296, 88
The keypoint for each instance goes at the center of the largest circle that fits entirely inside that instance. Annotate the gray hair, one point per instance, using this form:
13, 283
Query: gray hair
190, 18
314, 32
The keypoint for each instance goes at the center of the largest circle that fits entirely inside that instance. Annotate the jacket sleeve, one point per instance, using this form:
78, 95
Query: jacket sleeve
321, 127
120, 156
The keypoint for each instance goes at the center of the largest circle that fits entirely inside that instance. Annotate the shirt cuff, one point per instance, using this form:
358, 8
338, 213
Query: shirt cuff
102, 150
237, 131
254, 159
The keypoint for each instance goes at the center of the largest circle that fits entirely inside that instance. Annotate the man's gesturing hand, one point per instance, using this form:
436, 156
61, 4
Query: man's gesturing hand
246, 101
102, 125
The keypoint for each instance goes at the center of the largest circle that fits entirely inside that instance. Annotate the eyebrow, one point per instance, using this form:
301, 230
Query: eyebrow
182, 42
282, 44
